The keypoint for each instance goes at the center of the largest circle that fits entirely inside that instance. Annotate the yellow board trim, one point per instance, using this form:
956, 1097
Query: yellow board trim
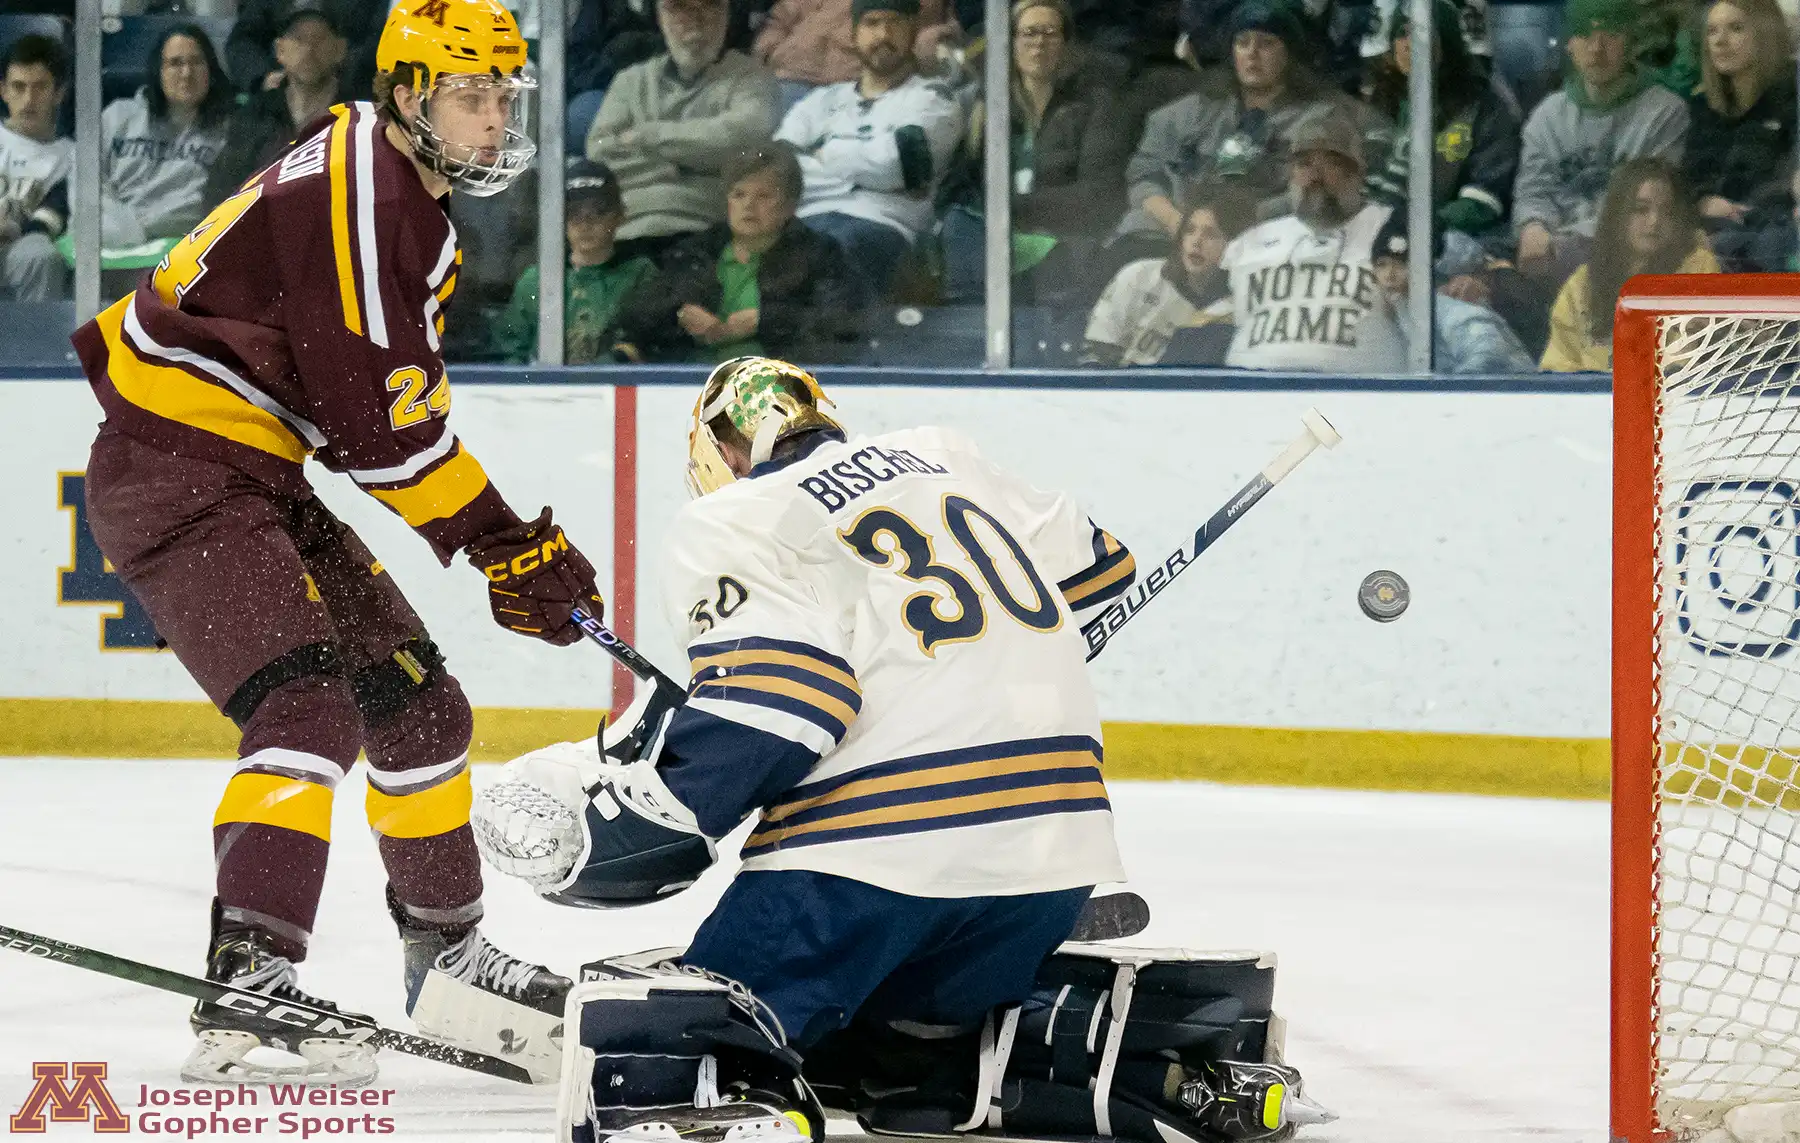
937, 776
943, 808
446, 491
427, 813
276, 800
340, 219
179, 396
1506, 765
779, 658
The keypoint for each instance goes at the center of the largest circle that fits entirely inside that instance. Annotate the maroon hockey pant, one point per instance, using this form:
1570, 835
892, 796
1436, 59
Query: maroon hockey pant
294, 629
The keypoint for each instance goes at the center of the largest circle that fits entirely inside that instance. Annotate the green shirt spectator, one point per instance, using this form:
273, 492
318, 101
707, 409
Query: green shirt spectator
597, 283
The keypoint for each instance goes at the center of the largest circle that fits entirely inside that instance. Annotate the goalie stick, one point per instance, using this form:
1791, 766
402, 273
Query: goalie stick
303, 1016
1104, 626
1113, 917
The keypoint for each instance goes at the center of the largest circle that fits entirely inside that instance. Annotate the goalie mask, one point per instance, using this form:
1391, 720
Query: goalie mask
759, 399
466, 60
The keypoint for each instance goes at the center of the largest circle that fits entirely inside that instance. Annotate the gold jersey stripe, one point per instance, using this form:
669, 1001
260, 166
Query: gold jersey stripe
340, 218
925, 811
937, 776
449, 287
276, 800
1082, 592
781, 658
772, 684
429, 812
177, 395
445, 491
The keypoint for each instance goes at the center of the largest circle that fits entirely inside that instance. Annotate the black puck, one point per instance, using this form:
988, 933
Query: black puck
1383, 596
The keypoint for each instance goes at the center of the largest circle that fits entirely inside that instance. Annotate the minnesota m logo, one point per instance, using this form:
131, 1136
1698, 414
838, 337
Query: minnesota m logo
70, 1102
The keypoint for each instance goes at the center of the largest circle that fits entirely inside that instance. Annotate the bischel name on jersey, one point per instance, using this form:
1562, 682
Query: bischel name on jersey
838, 484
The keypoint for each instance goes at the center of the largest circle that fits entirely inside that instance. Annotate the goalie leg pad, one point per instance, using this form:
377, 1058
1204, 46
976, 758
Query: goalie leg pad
657, 1053
1150, 1045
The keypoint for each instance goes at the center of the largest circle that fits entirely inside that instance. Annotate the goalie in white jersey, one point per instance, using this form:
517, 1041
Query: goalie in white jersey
886, 668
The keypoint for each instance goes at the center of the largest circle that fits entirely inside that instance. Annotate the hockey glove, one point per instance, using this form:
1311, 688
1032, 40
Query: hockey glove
536, 578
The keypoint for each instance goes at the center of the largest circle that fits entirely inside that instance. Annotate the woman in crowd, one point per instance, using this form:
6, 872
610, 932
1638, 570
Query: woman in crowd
1142, 316
1475, 152
1740, 142
158, 146
1068, 162
1648, 225
761, 284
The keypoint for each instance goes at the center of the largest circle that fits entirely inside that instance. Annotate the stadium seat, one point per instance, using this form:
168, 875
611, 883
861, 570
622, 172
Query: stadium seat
37, 333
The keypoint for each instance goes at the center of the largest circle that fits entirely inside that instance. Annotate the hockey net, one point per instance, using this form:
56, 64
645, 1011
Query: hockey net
1706, 709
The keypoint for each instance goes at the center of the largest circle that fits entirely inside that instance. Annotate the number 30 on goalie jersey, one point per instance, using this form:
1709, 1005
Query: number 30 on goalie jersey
884, 648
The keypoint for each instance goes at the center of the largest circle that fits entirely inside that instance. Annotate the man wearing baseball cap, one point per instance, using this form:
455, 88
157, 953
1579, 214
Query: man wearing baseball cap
874, 149
598, 281
1303, 285
310, 49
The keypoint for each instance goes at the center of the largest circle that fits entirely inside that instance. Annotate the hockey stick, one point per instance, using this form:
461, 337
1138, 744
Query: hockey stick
1104, 626
301, 1016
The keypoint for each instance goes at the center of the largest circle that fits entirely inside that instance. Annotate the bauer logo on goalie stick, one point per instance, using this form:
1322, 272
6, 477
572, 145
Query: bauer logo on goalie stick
1383, 596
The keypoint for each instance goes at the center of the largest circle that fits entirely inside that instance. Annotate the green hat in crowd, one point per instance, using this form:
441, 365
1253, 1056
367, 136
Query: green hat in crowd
1581, 17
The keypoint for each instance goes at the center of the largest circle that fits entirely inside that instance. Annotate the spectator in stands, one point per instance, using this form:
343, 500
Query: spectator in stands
1740, 142
668, 124
1303, 285
1476, 141
809, 43
34, 170
1174, 310
310, 50
597, 281
158, 146
1607, 112
761, 284
608, 36
1466, 337
1648, 225
1068, 153
1241, 134
873, 149
256, 66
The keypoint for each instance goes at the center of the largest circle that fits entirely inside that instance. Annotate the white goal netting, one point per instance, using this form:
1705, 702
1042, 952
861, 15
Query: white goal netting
1728, 711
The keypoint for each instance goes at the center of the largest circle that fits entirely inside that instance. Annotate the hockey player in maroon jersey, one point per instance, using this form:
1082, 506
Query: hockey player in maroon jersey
302, 318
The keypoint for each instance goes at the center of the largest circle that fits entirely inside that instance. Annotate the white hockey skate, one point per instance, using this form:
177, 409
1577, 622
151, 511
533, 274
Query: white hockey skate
226, 1035
469, 993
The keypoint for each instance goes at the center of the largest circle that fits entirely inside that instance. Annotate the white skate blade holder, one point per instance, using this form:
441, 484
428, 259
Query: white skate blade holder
482, 1021
221, 1056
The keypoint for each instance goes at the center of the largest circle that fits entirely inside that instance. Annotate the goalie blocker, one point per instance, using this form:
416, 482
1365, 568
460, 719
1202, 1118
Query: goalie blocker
1150, 1045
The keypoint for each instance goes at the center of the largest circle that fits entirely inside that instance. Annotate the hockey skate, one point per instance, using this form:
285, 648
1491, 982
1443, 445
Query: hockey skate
1249, 1101
733, 1117
226, 1035
469, 993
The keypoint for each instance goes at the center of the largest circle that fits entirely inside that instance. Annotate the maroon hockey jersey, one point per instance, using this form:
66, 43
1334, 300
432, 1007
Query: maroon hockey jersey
303, 317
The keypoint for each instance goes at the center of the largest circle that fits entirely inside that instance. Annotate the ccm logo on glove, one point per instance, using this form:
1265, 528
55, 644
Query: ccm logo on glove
536, 579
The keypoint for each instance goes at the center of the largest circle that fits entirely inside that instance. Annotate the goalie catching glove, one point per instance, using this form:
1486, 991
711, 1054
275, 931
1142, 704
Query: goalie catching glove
594, 830
536, 579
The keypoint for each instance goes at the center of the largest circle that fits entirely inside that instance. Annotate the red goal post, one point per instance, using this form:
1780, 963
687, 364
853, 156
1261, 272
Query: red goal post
1705, 705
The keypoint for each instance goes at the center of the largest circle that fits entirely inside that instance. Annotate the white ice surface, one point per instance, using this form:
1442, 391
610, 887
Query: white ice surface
1443, 959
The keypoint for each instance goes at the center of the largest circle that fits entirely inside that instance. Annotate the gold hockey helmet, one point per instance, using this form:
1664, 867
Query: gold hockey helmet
461, 49
761, 400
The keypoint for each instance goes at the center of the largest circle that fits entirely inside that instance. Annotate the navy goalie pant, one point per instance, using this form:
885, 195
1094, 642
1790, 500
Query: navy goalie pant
821, 949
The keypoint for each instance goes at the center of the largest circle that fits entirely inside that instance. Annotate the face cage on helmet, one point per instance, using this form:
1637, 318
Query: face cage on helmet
472, 177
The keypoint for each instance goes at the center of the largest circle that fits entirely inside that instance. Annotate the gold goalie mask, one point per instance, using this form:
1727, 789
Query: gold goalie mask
756, 403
